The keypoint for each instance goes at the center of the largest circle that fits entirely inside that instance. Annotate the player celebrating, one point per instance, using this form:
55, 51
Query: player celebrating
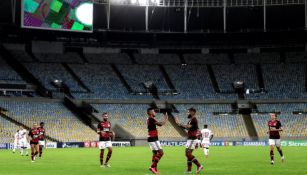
23, 142
41, 142
16, 141
206, 135
153, 139
105, 137
274, 137
34, 138
192, 141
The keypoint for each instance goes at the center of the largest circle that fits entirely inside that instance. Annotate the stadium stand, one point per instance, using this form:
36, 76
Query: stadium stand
157, 59
7, 131
132, 117
8, 75
21, 56
193, 82
135, 75
108, 58
206, 58
102, 81
48, 72
254, 58
294, 125
284, 81
225, 127
60, 123
69, 57
296, 57
227, 74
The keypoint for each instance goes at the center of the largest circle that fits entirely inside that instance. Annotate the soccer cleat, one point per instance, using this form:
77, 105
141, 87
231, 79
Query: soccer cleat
188, 172
153, 170
282, 159
199, 169
32, 161
107, 165
272, 162
157, 170
102, 166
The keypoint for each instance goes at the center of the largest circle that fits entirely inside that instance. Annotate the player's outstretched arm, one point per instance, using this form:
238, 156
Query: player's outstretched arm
180, 124
161, 123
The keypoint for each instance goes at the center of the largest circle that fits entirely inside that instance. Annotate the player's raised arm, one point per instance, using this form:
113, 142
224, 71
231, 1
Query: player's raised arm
161, 123
182, 125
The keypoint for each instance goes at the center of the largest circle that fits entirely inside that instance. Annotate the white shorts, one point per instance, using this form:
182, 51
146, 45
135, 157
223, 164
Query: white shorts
155, 146
205, 144
191, 144
274, 142
23, 143
16, 144
104, 144
41, 143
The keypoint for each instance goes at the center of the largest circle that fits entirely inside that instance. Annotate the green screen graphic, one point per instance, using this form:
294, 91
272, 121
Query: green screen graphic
76, 15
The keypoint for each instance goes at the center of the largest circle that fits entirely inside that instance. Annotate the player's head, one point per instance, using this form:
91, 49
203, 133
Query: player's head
34, 125
105, 116
151, 112
273, 116
205, 126
191, 112
41, 124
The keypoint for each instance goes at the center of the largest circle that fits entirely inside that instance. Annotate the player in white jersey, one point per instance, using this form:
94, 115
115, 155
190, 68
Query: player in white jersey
206, 135
23, 142
16, 141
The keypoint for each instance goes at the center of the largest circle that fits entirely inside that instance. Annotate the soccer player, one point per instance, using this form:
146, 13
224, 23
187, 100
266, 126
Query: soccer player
16, 141
42, 141
153, 140
274, 137
23, 142
105, 137
206, 135
34, 138
192, 142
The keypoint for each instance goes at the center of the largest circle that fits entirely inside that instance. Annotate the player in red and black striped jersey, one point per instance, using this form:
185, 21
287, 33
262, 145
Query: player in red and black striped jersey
106, 135
275, 127
192, 142
34, 138
153, 139
42, 141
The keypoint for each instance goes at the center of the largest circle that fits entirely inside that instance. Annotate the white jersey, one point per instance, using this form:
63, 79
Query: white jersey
17, 137
206, 135
23, 134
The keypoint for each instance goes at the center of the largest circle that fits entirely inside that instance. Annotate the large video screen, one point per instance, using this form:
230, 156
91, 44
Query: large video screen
70, 15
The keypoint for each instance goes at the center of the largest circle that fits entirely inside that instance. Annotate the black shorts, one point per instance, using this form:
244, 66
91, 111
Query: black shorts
33, 143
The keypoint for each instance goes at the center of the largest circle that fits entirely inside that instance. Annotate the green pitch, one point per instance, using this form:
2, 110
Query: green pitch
136, 160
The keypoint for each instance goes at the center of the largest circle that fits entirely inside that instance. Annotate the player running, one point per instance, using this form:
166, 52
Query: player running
105, 137
16, 142
34, 138
23, 142
274, 137
192, 141
206, 135
153, 140
42, 141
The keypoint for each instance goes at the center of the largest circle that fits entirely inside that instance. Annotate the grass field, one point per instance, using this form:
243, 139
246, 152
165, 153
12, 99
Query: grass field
136, 160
